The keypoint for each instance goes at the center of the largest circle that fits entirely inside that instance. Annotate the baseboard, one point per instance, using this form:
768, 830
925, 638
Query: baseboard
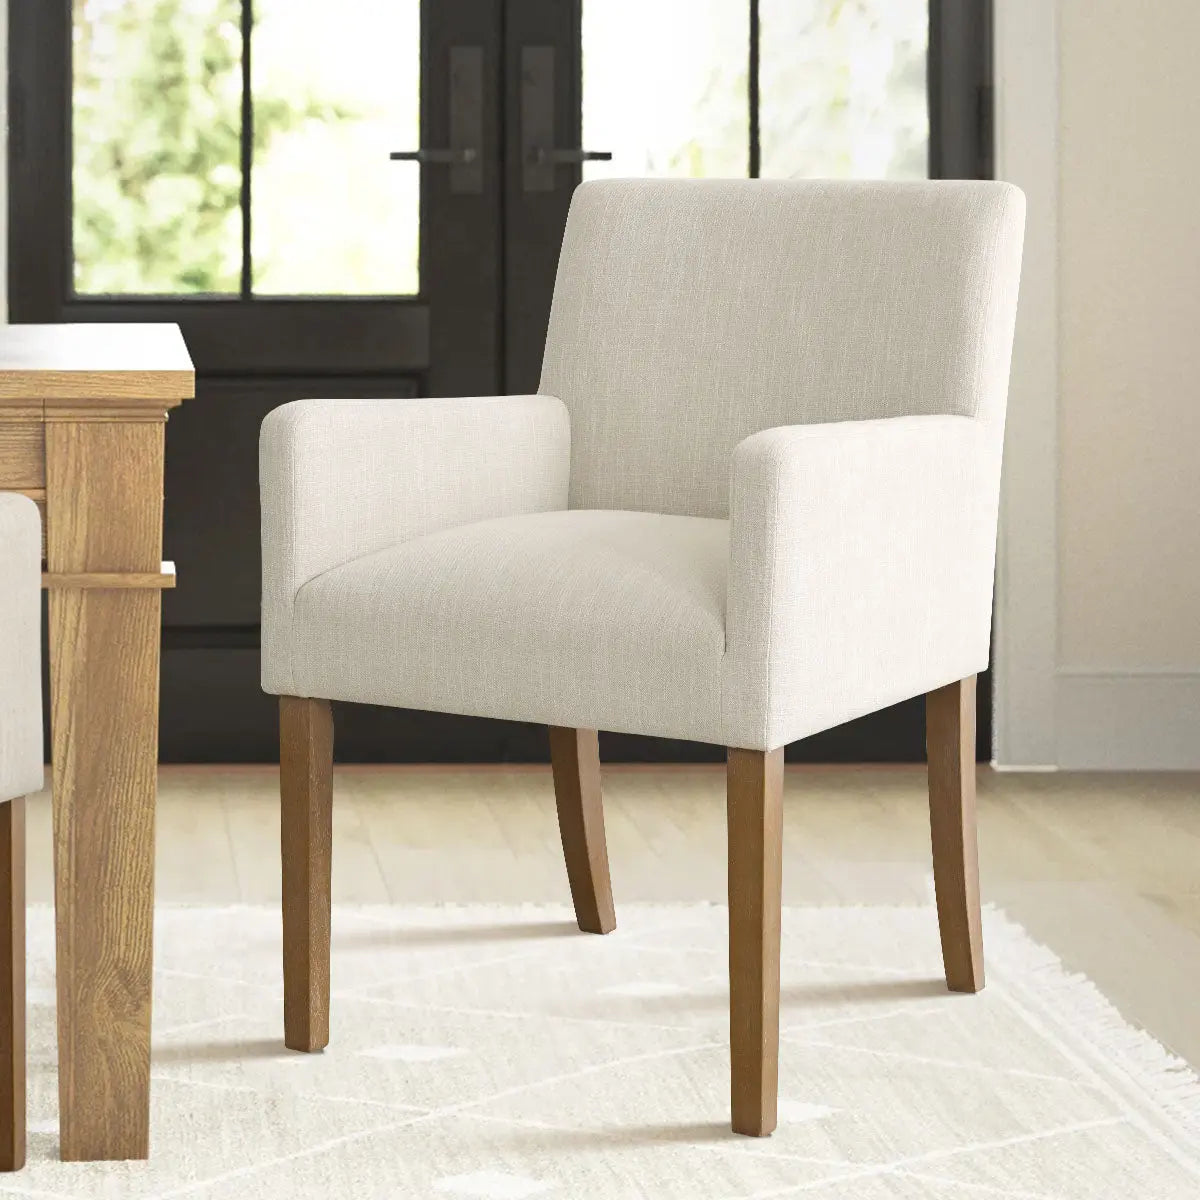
1136, 721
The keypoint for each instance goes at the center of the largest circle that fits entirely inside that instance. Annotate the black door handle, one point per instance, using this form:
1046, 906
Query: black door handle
463, 156
539, 156
446, 158
539, 152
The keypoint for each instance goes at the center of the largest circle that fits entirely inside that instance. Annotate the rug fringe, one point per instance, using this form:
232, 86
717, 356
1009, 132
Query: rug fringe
1165, 1079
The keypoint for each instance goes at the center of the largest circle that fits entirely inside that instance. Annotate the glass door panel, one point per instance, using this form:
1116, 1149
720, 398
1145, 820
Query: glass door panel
156, 161
668, 96
784, 88
240, 147
335, 89
843, 89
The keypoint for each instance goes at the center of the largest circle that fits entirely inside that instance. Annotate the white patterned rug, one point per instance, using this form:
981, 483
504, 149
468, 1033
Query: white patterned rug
495, 1053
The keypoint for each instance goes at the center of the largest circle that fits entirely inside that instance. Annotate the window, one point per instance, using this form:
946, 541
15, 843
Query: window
215, 156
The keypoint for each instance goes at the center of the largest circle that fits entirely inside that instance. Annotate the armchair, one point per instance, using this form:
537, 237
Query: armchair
20, 773
756, 497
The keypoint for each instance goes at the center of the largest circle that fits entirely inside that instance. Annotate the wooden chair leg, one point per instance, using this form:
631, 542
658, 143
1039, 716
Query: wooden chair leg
12, 985
950, 744
755, 816
306, 820
575, 764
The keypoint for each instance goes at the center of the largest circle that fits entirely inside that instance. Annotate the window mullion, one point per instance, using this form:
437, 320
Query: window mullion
755, 143
247, 147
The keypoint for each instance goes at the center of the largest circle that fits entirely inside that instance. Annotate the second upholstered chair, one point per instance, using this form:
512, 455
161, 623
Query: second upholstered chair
20, 773
756, 497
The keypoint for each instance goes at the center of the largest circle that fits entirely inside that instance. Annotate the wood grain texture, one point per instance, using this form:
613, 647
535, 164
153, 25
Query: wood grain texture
754, 813
97, 365
950, 744
104, 490
12, 985
22, 449
164, 578
306, 826
575, 763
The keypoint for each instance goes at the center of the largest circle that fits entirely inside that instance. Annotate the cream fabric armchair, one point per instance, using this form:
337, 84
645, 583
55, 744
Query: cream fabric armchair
755, 498
20, 773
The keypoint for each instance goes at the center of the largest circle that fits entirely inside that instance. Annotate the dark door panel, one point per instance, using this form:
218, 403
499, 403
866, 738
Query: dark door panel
462, 226
542, 53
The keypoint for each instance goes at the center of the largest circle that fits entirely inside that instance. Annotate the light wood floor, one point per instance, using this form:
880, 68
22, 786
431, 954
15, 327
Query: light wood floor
1105, 869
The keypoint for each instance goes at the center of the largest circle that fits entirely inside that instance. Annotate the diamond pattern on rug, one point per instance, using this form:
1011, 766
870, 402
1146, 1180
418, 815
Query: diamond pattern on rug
495, 1053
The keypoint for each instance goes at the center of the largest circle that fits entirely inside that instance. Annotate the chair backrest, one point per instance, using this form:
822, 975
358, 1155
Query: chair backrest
689, 314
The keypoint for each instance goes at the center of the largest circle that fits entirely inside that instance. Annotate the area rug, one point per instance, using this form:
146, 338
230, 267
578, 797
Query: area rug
497, 1053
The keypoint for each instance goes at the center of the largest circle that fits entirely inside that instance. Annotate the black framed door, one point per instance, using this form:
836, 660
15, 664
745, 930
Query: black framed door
368, 200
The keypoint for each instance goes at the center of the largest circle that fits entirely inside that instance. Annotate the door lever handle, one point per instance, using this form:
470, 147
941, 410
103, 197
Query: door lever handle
539, 156
447, 158
463, 155
541, 130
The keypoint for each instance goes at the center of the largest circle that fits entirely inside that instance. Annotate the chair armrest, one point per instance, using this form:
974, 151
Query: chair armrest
340, 479
861, 565
20, 647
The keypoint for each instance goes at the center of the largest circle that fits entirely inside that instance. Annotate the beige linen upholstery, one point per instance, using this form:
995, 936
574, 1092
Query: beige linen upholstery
511, 615
341, 479
20, 647
773, 507
689, 315
860, 572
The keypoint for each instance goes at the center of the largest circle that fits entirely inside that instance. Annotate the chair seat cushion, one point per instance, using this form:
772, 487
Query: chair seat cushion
594, 619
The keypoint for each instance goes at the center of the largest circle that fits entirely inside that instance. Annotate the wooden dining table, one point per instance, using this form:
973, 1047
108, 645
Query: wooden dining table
83, 410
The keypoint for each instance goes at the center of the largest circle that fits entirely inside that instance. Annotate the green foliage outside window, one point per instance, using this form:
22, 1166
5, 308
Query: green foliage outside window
157, 155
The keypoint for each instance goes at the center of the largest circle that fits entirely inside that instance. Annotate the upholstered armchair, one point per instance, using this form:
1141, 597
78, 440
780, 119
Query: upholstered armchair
755, 497
20, 773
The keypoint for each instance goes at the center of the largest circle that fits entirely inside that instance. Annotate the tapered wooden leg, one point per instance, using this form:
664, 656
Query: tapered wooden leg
755, 815
950, 743
12, 985
306, 806
575, 763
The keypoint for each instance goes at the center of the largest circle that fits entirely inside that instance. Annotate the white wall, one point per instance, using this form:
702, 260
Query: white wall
1025, 644
1100, 120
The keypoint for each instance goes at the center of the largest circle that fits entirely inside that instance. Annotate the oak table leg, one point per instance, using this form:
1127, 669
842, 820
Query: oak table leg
755, 817
104, 488
306, 824
950, 744
575, 764
12, 985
